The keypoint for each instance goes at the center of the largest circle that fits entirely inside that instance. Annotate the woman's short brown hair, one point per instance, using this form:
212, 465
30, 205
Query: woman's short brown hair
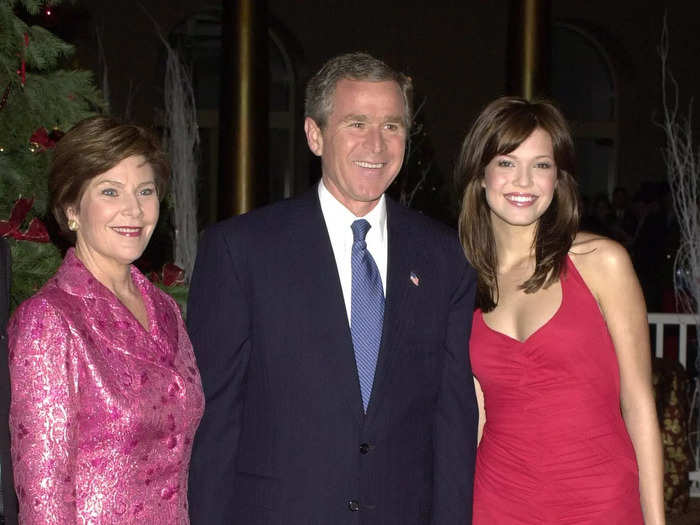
500, 128
93, 146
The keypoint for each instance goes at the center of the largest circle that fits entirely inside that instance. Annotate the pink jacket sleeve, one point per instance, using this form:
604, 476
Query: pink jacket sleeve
43, 375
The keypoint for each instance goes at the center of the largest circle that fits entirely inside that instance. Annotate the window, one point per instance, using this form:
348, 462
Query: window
199, 38
584, 86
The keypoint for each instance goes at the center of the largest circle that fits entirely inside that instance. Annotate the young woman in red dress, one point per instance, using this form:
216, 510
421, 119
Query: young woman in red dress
560, 342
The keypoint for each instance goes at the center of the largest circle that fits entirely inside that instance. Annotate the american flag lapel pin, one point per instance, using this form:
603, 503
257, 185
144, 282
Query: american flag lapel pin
414, 279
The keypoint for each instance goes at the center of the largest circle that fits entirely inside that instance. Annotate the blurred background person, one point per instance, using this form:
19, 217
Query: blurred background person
599, 216
648, 248
9, 500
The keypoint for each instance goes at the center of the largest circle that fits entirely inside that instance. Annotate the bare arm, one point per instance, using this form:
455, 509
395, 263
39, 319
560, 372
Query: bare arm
617, 290
482, 412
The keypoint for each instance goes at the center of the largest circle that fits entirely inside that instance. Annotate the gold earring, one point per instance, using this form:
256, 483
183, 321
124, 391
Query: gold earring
73, 225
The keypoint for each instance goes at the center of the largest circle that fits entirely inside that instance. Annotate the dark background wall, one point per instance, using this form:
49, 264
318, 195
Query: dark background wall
631, 33
455, 52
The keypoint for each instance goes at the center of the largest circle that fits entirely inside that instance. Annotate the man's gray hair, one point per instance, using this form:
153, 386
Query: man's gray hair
352, 66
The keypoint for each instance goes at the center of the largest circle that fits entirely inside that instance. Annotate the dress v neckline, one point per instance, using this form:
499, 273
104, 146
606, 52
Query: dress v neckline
549, 321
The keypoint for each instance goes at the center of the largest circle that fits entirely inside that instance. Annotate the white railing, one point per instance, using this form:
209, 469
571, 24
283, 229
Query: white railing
682, 321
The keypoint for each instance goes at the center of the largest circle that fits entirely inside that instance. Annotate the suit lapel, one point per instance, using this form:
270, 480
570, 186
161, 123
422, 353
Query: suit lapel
112, 324
329, 307
399, 261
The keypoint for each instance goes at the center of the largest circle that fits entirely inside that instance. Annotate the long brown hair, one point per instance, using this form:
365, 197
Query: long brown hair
500, 128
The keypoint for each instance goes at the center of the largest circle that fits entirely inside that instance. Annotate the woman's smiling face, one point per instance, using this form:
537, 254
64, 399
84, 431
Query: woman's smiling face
519, 186
117, 213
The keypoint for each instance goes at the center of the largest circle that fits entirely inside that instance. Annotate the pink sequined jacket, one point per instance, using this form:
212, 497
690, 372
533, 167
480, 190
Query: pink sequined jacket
103, 413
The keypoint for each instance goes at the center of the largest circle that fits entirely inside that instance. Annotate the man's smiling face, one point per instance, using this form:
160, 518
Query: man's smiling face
363, 142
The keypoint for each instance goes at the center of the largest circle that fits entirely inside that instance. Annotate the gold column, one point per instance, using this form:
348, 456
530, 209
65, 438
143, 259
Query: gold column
243, 111
529, 48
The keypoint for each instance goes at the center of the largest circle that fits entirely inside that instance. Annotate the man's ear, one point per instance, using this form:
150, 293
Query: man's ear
314, 137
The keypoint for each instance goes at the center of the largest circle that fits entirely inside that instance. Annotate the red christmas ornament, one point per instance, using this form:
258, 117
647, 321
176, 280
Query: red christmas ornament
170, 275
42, 139
173, 275
17, 215
22, 72
36, 231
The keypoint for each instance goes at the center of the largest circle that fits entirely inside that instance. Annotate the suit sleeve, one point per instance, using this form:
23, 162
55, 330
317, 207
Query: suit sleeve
9, 500
218, 322
43, 413
456, 417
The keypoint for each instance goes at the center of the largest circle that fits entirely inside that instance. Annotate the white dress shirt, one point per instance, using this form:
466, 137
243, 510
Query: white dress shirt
339, 225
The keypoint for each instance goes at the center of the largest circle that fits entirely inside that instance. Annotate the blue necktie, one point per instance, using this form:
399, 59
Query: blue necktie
367, 309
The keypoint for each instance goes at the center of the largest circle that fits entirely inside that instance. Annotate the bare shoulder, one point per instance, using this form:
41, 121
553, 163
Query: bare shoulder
589, 248
600, 261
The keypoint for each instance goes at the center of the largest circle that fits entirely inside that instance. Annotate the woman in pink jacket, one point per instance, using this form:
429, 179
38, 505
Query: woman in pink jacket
106, 396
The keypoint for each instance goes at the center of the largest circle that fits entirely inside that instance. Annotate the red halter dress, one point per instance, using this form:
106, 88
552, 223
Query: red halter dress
555, 448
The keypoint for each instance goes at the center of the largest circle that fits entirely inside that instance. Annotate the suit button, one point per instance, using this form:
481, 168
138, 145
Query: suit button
354, 505
364, 448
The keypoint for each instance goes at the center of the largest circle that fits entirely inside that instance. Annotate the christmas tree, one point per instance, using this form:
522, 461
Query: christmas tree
40, 98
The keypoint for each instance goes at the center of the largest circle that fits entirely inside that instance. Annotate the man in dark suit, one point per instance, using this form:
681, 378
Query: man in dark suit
9, 500
331, 332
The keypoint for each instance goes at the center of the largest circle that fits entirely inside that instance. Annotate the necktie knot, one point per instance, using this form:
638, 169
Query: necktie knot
360, 227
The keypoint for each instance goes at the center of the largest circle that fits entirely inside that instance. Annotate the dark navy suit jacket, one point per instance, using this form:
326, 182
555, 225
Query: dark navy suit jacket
284, 439
8, 490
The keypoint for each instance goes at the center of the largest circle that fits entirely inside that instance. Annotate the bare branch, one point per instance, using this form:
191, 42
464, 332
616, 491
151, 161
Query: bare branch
182, 140
683, 174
